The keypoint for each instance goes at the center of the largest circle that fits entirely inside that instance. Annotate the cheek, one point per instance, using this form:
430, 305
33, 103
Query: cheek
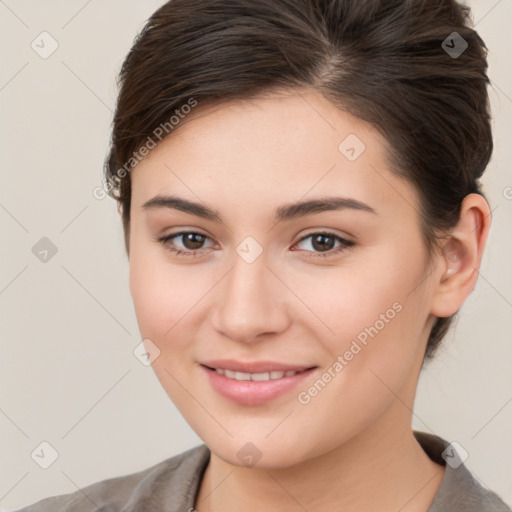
162, 300
371, 314
158, 299
152, 289
372, 352
166, 296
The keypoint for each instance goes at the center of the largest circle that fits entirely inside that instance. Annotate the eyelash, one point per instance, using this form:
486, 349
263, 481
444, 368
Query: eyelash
345, 244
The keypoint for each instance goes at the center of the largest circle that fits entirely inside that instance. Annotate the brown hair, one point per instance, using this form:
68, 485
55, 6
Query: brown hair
393, 63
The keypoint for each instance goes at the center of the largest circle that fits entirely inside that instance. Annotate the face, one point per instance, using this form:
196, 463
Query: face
337, 294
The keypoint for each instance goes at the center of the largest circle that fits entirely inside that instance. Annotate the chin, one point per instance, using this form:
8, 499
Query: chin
259, 452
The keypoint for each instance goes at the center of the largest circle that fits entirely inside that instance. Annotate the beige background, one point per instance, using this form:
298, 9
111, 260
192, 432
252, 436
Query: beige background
68, 375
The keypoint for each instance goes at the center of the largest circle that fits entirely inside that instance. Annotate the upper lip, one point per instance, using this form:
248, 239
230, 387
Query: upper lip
254, 366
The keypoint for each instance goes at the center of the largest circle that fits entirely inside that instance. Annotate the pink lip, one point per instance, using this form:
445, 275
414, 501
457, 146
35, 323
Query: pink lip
249, 392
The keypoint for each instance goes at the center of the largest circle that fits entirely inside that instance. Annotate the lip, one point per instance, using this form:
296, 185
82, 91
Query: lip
249, 392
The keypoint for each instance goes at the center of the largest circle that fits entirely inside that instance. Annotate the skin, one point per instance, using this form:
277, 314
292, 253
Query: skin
351, 447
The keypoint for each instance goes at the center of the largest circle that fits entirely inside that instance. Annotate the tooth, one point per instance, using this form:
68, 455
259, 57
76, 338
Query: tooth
260, 376
255, 376
242, 376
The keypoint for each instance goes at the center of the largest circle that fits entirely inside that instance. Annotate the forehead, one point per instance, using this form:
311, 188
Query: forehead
289, 145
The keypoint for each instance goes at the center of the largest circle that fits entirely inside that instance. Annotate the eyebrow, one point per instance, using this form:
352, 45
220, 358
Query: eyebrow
285, 212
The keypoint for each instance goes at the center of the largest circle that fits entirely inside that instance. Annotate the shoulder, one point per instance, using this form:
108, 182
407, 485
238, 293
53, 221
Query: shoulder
459, 490
462, 492
169, 481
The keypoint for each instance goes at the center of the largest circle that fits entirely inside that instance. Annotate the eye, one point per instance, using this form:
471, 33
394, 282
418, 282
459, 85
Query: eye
191, 239
324, 241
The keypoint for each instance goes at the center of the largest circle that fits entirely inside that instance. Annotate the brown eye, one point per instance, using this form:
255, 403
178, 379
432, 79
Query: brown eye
191, 243
323, 244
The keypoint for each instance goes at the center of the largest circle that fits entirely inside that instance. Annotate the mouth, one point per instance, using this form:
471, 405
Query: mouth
272, 375
254, 383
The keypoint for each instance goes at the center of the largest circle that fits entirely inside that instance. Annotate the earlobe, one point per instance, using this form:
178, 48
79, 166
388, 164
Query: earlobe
460, 257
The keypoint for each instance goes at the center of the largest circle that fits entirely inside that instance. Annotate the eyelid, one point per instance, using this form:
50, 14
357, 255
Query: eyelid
328, 232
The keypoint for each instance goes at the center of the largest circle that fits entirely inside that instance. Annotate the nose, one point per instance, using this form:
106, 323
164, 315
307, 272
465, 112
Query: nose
251, 302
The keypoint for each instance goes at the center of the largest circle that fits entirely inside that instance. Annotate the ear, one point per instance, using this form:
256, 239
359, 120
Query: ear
460, 257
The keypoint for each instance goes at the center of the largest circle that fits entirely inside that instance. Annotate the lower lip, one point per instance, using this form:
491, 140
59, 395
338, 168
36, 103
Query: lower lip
250, 392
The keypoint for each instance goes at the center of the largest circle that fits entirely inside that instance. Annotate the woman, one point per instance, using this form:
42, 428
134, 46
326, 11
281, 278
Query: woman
299, 187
